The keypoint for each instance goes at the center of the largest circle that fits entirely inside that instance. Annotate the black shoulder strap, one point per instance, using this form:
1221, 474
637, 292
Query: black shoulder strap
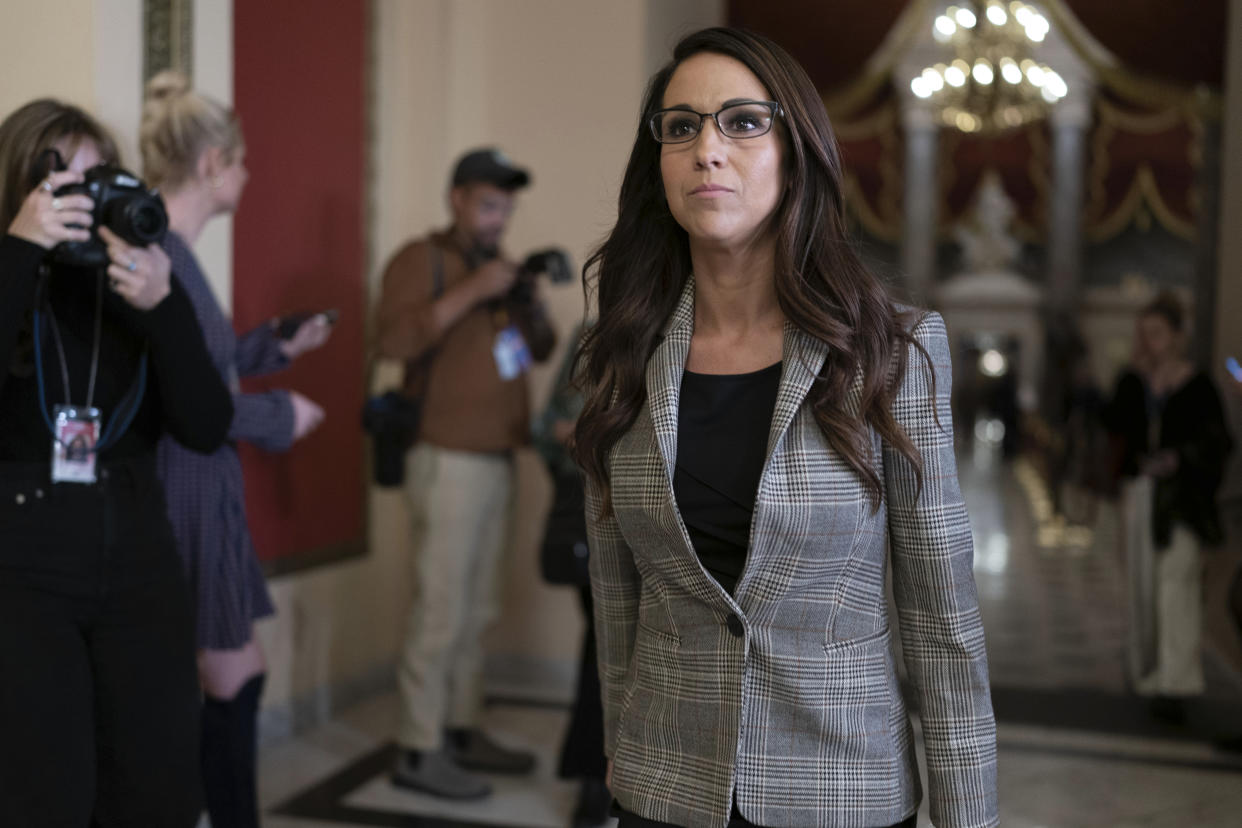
418, 370
437, 271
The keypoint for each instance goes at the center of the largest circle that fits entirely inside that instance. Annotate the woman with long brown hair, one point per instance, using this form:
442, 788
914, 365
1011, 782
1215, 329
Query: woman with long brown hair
100, 354
765, 434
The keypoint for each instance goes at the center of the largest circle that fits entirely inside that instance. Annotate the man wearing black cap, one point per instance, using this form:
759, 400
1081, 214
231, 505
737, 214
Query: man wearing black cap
468, 325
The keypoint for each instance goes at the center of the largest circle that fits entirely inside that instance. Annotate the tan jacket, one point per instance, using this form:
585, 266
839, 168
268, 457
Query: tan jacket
467, 405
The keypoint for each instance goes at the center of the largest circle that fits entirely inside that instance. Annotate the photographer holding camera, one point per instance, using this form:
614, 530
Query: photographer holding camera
467, 322
100, 354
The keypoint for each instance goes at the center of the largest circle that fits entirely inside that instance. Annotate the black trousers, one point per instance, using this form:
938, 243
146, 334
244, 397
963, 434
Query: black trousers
582, 754
99, 695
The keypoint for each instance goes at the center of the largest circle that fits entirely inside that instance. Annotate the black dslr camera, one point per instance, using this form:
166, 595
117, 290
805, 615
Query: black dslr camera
553, 263
123, 204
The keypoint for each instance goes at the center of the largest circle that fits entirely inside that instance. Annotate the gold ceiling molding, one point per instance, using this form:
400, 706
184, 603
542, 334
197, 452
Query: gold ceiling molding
883, 221
1140, 89
860, 209
1142, 123
878, 70
872, 125
1142, 200
1037, 168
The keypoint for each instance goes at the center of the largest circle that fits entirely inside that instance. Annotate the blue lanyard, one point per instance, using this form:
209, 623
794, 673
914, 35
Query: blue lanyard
127, 408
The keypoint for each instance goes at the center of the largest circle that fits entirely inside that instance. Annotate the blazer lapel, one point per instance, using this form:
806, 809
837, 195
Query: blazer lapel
803, 357
664, 373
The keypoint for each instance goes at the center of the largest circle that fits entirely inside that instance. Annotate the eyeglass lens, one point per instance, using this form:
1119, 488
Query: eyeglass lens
744, 120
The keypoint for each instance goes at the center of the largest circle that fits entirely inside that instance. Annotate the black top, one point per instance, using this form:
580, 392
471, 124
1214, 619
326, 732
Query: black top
1191, 422
722, 441
184, 394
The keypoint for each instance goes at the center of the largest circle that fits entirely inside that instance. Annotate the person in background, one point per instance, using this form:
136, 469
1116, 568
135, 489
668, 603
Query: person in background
455, 296
99, 697
565, 561
192, 149
1175, 442
766, 433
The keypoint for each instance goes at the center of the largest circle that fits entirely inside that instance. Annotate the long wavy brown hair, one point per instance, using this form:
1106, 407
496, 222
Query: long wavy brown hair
27, 133
822, 286
25, 136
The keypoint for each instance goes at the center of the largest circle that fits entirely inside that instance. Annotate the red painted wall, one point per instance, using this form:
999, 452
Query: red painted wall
300, 89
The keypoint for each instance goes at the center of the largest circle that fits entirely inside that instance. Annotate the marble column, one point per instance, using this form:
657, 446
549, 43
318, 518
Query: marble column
1070, 123
920, 202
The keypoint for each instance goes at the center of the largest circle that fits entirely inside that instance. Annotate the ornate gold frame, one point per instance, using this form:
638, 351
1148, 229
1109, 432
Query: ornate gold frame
168, 37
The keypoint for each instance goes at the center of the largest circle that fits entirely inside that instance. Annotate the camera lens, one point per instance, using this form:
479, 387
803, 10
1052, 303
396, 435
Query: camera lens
142, 220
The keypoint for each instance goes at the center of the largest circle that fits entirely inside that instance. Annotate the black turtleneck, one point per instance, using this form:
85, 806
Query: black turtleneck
722, 441
185, 395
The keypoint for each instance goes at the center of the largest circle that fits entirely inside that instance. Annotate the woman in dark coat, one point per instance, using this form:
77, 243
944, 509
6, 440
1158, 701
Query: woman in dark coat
1169, 418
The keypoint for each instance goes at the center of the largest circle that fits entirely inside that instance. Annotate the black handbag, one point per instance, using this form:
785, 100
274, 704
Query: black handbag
392, 418
564, 556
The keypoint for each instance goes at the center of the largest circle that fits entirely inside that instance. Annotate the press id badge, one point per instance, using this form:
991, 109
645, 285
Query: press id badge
512, 355
77, 431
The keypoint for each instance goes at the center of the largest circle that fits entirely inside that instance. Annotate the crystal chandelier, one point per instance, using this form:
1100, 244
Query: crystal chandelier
989, 81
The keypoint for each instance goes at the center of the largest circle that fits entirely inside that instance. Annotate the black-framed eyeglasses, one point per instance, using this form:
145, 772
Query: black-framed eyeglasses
744, 119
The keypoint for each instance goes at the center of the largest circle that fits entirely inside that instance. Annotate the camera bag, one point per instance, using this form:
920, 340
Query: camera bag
393, 418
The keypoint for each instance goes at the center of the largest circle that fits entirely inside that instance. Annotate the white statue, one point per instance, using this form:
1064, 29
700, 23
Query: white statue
984, 234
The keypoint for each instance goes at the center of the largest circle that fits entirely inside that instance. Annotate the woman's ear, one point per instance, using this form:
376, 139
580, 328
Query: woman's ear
211, 164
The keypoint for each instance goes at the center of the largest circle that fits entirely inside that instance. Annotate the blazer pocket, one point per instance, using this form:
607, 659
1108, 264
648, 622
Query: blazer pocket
859, 642
658, 673
659, 662
855, 702
649, 719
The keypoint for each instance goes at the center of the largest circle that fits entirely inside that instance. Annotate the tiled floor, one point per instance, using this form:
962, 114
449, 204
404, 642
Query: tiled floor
1075, 748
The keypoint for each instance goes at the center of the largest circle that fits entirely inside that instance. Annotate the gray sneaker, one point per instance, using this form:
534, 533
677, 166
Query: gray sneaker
473, 749
435, 773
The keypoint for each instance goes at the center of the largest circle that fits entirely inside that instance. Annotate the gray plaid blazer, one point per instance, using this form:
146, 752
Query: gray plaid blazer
785, 697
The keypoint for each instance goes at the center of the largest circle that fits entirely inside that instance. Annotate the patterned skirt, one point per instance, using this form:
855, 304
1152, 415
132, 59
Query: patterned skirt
206, 507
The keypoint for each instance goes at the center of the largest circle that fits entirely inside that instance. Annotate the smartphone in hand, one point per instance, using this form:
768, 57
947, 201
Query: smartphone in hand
287, 326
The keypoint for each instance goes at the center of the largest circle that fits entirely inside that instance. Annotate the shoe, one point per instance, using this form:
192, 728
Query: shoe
435, 773
473, 749
1168, 709
594, 804
1231, 745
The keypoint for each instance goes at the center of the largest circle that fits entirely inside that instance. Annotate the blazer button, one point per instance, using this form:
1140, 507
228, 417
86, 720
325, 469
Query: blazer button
735, 625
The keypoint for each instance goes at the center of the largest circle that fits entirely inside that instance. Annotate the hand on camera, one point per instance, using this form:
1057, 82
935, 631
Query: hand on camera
495, 278
44, 218
307, 415
139, 275
310, 335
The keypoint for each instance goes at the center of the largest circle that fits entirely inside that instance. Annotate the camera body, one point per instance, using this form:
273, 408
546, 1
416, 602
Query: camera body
552, 262
123, 204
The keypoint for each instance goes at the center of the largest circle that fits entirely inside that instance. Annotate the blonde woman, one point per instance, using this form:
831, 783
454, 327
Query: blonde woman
192, 149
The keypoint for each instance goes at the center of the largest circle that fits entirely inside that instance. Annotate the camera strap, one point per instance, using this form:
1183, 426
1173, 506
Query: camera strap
129, 404
418, 370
